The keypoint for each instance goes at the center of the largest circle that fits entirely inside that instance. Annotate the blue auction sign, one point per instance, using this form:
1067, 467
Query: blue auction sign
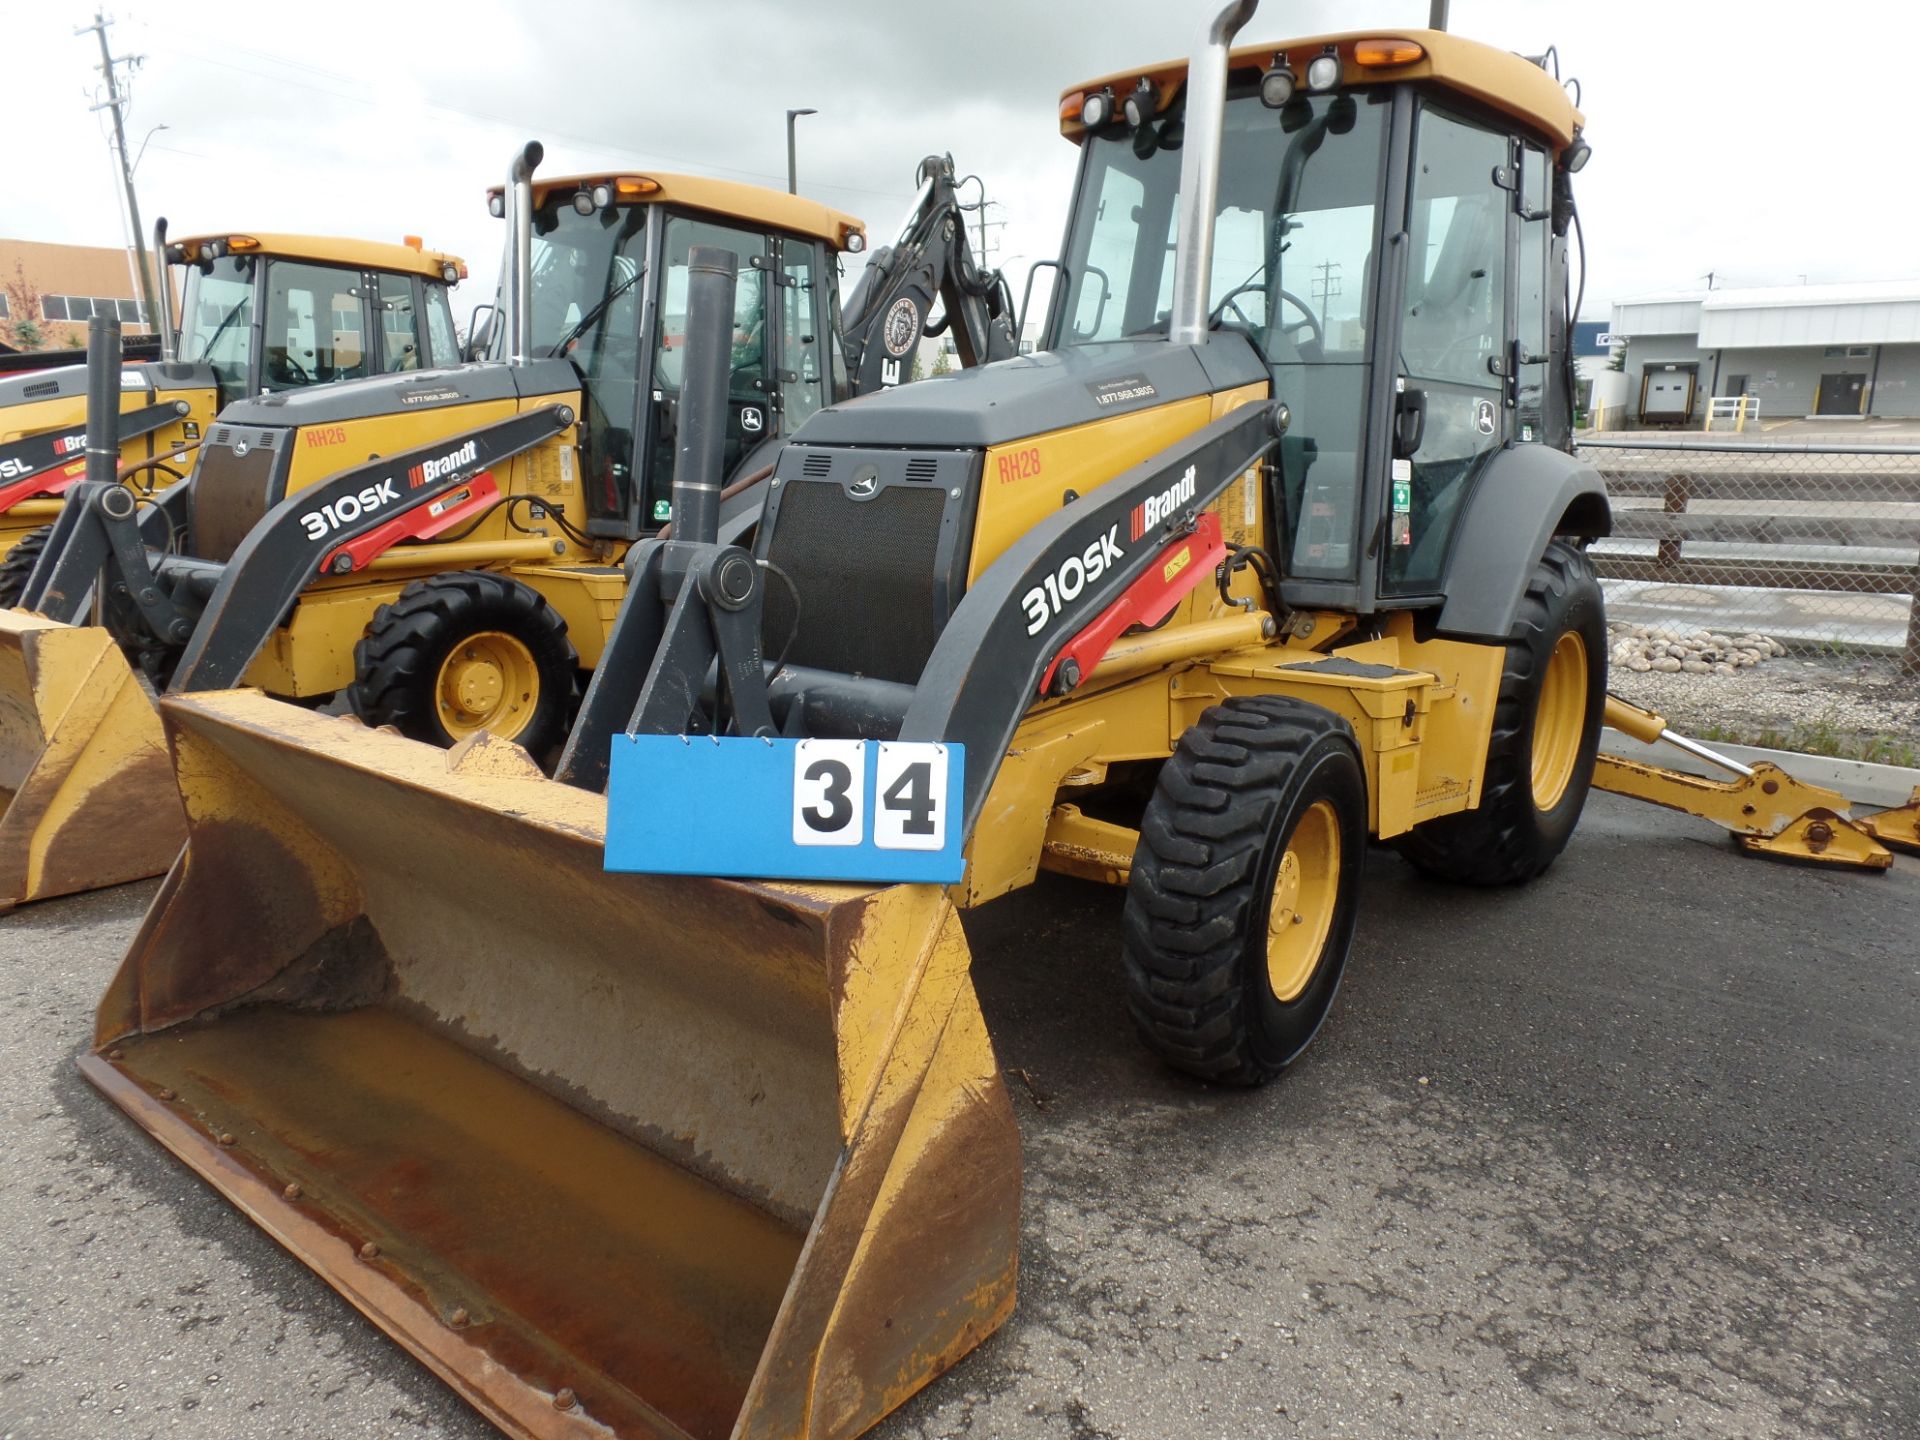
874, 810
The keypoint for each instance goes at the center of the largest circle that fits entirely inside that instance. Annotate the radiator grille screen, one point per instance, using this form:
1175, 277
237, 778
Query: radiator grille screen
230, 494
865, 572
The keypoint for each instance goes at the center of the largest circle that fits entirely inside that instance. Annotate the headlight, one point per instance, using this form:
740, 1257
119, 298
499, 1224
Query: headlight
1276, 84
1142, 103
1098, 110
1323, 72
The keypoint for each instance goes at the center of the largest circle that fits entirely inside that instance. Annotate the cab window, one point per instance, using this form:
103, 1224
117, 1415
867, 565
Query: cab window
805, 337
316, 326
399, 323
216, 319
444, 348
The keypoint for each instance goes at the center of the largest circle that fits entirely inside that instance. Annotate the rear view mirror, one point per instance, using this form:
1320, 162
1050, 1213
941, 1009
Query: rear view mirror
480, 327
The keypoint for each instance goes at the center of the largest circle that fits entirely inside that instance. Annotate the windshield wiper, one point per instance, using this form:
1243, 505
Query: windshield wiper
221, 328
596, 312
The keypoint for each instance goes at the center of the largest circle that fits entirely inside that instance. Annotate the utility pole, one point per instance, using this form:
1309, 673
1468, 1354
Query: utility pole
793, 179
1327, 283
116, 102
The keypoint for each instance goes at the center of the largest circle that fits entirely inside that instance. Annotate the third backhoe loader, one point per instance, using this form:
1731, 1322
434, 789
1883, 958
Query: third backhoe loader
443, 545
260, 314
1244, 569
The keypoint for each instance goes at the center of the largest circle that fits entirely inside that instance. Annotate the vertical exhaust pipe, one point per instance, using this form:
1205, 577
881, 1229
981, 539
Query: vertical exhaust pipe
103, 400
169, 339
519, 271
1200, 173
701, 451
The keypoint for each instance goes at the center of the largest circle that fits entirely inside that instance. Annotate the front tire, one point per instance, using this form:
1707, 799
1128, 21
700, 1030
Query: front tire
466, 652
17, 566
1245, 888
1546, 733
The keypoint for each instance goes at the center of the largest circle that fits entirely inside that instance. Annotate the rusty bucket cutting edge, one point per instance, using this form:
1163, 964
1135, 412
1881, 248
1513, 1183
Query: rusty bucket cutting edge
612, 1154
86, 787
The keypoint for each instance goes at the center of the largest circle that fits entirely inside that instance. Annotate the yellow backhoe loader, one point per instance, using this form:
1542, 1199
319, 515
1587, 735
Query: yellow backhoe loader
260, 314
1242, 570
443, 545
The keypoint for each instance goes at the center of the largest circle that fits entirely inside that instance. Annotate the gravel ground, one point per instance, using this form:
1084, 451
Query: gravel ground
1850, 699
1629, 1152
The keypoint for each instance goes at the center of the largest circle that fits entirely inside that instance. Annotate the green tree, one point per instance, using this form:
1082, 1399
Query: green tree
941, 364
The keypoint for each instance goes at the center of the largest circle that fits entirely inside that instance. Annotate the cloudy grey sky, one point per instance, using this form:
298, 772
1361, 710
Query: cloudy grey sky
1719, 143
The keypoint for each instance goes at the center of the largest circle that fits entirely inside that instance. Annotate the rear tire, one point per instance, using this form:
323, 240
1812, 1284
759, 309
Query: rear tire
1546, 733
17, 566
1241, 907
467, 652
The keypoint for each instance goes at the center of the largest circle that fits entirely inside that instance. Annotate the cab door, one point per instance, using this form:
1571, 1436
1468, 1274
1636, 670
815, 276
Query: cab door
1455, 334
754, 390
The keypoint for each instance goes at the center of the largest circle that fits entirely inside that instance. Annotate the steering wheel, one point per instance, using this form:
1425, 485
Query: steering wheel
291, 369
1308, 320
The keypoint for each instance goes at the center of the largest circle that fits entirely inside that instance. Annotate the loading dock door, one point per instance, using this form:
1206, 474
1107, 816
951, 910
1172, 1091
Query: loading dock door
1666, 394
1841, 394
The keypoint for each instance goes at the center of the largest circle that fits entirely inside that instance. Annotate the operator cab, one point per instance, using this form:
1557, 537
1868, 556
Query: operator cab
1389, 237
278, 312
609, 287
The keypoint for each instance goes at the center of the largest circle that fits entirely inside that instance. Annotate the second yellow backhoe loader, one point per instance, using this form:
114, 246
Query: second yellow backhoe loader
260, 314
1242, 571
444, 546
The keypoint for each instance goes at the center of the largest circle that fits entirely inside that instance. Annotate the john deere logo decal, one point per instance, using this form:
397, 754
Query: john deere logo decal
902, 327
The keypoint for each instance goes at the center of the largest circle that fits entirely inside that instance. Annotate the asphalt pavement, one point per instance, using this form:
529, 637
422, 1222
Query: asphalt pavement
1629, 1152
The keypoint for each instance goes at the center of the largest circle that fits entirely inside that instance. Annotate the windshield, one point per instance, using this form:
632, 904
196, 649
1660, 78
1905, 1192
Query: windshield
1293, 267
578, 262
216, 319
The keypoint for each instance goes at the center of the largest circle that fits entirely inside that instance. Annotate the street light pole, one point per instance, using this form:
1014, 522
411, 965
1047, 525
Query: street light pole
793, 184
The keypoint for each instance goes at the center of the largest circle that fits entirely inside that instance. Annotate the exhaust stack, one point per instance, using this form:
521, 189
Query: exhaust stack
1200, 173
711, 275
519, 272
169, 337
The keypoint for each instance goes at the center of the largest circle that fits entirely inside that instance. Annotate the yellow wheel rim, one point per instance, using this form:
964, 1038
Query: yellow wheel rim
1559, 720
488, 681
1305, 890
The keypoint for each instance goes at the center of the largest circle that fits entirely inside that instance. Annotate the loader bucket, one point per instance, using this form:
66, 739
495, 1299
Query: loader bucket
612, 1154
87, 788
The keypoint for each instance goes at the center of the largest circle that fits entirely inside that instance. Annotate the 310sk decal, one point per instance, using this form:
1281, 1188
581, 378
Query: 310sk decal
1075, 573
348, 508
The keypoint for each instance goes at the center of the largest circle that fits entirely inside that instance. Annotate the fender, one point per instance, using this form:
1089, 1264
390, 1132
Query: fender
1526, 495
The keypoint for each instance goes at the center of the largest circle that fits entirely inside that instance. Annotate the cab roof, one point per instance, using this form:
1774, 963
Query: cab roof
1506, 82
408, 259
772, 208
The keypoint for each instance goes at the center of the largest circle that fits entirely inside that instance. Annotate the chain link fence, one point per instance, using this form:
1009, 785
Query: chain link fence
1816, 548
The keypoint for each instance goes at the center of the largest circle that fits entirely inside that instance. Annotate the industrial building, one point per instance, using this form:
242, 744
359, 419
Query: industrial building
1838, 352
53, 290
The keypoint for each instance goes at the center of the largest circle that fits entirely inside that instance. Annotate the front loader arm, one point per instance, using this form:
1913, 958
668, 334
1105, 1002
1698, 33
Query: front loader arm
1767, 811
986, 669
311, 533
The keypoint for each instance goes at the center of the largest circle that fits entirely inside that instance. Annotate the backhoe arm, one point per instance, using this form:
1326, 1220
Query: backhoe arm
886, 314
1767, 811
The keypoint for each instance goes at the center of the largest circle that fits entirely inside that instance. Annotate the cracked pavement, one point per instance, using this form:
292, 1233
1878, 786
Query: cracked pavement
1629, 1152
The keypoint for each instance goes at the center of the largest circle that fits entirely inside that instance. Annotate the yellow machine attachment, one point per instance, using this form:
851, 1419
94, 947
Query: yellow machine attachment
1765, 809
85, 781
643, 1157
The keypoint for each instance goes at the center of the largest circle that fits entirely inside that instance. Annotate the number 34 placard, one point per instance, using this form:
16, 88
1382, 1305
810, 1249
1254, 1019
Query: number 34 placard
785, 809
